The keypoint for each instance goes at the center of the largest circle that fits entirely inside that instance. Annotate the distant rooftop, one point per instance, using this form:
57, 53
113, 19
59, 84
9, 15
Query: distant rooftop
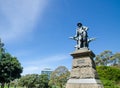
47, 69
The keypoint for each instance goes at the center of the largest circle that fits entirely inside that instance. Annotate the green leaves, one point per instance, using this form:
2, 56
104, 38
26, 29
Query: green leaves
10, 68
59, 76
108, 58
110, 76
34, 81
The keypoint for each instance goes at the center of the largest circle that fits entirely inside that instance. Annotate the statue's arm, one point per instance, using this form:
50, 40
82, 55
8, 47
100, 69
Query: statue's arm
74, 38
91, 39
77, 33
85, 28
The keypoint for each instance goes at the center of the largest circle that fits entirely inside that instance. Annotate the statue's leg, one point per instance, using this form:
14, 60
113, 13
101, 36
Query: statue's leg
82, 43
76, 47
79, 44
85, 43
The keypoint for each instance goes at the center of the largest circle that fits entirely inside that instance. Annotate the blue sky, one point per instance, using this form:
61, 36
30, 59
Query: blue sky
37, 31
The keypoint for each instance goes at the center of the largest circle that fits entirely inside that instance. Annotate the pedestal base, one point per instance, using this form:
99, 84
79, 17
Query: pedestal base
84, 83
83, 73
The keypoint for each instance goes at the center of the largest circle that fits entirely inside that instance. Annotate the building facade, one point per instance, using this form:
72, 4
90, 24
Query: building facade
47, 71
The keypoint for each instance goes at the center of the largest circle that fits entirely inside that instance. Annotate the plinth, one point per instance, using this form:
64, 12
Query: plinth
83, 73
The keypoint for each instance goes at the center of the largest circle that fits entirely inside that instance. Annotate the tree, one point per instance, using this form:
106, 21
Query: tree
43, 81
14, 83
28, 80
34, 81
107, 58
109, 75
116, 59
2, 52
10, 68
104, 58
59, 76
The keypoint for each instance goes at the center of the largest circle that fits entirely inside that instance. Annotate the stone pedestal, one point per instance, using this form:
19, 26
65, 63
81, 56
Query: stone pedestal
83, 73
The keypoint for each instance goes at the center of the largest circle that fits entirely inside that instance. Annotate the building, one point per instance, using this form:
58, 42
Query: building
47, 71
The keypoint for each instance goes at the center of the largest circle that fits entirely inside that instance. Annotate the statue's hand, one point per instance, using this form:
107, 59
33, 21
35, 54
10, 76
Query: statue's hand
74, 38
91, 39
71, 37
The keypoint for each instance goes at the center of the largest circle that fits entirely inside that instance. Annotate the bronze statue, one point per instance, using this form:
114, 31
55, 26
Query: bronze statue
81, 37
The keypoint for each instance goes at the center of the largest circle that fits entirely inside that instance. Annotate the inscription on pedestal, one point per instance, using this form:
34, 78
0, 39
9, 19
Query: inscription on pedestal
80, 61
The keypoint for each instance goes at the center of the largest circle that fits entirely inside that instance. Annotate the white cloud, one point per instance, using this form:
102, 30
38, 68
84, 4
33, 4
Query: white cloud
18, 17
30, 70
38, 64
48, 59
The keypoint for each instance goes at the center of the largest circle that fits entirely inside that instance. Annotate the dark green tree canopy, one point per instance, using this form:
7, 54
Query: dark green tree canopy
10, 67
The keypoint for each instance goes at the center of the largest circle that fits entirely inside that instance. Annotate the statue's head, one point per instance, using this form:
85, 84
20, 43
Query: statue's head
79, 24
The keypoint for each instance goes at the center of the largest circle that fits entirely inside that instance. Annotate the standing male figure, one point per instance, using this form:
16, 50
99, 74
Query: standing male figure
81, 36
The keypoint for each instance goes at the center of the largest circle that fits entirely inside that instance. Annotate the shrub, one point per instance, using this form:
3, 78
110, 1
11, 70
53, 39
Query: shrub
109, 76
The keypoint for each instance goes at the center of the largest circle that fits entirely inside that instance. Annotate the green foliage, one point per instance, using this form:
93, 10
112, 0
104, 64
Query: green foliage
28, 80
108, 58
116, 59
103, 58
110, 76
34, 81
43, 81
10, 68
59, 76
109, 84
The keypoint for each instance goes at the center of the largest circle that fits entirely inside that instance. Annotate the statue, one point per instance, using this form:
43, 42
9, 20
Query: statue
82, 37
83, 73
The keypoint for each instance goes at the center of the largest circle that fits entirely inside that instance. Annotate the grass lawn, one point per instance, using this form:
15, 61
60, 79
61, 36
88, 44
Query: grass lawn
13, 87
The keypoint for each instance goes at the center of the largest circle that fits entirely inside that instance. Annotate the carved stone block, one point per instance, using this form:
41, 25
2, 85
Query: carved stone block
83, 62
75, 73
83, 73
88, 72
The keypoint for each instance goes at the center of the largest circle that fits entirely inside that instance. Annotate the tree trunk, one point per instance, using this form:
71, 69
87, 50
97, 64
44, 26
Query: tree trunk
61, 86
14, 86
8, 85
2, 86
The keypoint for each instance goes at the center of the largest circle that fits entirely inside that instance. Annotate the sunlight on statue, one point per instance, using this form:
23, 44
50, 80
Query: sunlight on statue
81, 37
